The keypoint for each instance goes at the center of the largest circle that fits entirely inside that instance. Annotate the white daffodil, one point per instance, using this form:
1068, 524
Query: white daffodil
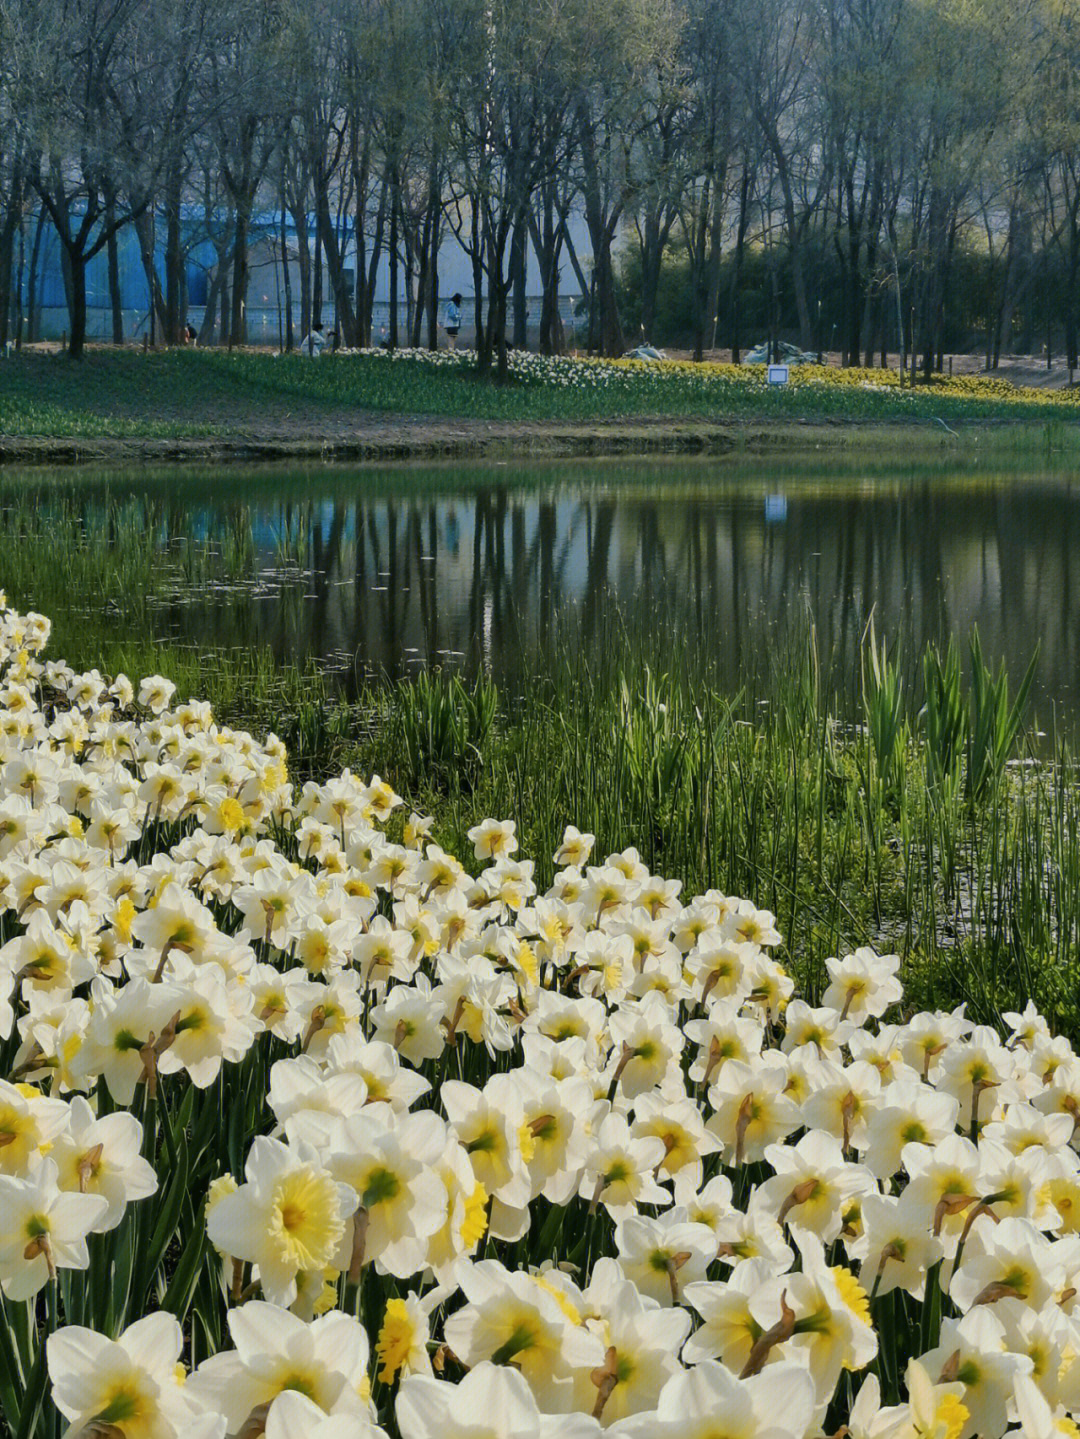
29, 1126
821, 1311
488, 1125
728, 1330
493, 838
906, 1112
681, 1129
645, 1045
937, 1411
301, 1087
862, 985
1048, 1337
403, 1337
552, 1136
387, 1080
812, 1186
44, 957
124, 1021
511, 1319
1023, 1127
155, 693
1011, 1259
724, 1034
127, 1386
43, 1229
662, 1255
103, 1156
972, 1066
575, 847
641, 1343
619, 1168
971, 1352
868, 1420
294, 1416
276, 1352
776, 1405
752, 1234
842, 1100
944, 1185
465, 1213
1037, 1419
410, 1021
750, 1108
895, 1248
392, 1168
290, 1215
491, 1402
214, 1023
822, 1027
926, 1037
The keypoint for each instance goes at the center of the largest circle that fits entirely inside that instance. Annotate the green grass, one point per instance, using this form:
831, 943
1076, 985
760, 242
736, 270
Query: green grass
211, 393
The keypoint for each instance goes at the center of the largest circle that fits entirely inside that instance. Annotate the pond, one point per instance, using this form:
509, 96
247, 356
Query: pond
715, 563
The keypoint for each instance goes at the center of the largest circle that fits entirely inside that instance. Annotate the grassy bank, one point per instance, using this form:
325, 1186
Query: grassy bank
187, 395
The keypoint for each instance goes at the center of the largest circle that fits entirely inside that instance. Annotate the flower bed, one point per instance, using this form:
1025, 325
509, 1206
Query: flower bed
712, 380
307, 1128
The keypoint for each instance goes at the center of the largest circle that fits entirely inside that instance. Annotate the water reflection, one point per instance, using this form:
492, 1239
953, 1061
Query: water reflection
384, 572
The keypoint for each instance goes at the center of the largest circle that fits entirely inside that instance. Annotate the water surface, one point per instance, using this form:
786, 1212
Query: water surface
709, 562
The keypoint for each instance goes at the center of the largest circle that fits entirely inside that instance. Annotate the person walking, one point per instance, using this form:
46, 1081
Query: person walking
453, 319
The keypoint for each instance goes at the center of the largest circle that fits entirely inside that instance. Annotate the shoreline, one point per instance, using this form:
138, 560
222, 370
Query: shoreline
416, 437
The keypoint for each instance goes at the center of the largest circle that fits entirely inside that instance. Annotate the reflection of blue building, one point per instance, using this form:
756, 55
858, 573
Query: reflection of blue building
266, 297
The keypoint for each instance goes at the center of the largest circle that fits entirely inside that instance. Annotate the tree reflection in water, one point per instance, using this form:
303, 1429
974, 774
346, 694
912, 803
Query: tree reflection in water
377, 573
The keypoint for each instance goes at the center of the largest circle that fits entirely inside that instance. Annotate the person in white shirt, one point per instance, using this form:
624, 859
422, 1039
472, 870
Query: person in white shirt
313, 342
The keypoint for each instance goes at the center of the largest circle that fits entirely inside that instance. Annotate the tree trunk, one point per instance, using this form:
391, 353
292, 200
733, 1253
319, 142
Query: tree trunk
144, 230
32, 306
605, 331
10, 226
391, 181
175, 279
1072, 279
431, 290
286, 282
77, 315
476, 254
316, 280
548, 242
736, 271
795, 253
652, 259
343, 305
240, 274
116, 299
518, 256
373, 270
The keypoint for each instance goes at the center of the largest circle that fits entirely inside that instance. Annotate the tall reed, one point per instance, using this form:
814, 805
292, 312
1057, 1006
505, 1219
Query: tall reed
848, 832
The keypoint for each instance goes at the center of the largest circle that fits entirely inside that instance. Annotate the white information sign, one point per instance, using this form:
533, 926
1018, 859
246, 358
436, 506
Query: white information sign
778, 375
